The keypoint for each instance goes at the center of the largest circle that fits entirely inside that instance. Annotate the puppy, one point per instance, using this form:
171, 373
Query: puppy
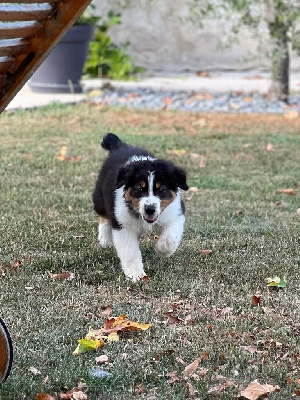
135, 192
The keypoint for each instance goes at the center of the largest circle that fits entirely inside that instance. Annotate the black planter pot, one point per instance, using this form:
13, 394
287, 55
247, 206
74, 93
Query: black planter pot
62, 69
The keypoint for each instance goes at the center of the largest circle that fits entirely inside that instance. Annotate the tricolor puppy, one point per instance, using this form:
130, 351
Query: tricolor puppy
135, 192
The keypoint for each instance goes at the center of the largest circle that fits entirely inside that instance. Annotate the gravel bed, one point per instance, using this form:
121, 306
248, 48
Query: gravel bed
234, 102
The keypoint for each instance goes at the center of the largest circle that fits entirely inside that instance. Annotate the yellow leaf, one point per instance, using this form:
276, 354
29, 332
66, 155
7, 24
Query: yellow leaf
86, 345
177, 152
112, 337
62, 153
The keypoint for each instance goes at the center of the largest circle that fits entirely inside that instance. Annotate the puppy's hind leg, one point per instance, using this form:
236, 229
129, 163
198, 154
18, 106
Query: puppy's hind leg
127, 246
105, 232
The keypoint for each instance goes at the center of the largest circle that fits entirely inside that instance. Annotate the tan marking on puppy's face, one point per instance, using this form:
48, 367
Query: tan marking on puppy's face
132, 200
143, 184
157, 185
165, 202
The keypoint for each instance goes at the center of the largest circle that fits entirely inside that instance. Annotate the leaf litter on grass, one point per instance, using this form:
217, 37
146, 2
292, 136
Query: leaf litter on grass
96, 338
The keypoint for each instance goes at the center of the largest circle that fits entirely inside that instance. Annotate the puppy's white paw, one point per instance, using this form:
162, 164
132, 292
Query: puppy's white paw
136, 277
166, 246
105, 235
105, 241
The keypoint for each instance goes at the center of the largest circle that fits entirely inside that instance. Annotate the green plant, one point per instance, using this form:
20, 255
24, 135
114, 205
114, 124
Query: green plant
105, 58
87, 17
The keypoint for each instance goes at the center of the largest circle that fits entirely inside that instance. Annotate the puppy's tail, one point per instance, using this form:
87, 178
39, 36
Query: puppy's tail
111, 142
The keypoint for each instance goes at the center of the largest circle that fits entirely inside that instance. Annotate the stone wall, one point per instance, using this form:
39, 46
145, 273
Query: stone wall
161, 42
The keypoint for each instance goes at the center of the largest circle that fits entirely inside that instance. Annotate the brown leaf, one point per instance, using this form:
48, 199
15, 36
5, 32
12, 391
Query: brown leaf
191, 368
205, 251
173, 319
194, 189
287, 191
74, 394
44, 396
191, 391
106, 311
255, 300
254, 390
62, 276
202, 74
145, 278
139, 389
17, 264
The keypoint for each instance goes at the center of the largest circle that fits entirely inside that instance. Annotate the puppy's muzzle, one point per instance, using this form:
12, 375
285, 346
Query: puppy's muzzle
150, 213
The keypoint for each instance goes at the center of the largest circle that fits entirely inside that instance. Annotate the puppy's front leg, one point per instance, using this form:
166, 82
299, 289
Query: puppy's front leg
128, 250
170, 237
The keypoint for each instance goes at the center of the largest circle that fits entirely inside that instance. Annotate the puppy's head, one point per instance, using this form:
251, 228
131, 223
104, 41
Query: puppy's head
150, 186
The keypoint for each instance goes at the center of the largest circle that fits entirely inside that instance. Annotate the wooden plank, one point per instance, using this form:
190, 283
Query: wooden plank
41, 45
6, 63
31, 1
13, 46
26, 12
11, 30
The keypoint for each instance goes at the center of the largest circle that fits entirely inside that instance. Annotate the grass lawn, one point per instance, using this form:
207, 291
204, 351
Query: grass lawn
199, 305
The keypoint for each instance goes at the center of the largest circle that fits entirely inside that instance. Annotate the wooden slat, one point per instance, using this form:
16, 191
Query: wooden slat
26, 12
6, 63
13, 46
11, 30
31, 1
40, 46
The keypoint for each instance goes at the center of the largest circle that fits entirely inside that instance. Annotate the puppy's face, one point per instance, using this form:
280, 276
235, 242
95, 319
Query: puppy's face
150, 186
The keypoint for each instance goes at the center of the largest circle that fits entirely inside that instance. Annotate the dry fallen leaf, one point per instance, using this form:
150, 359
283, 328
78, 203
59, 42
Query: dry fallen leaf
194, 189
101, 359
191, 368
64, 157
74, 394
64, 275
44, 396
177, 152
287, 191
254, 390
95, 337
205, 251
255, 300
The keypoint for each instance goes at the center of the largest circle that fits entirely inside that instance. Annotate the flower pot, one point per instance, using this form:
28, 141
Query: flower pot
62, 69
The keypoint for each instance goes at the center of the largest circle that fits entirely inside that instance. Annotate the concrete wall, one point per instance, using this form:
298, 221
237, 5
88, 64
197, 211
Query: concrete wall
161, 42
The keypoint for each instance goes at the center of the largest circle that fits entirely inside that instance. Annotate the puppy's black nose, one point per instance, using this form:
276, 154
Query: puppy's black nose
150, 209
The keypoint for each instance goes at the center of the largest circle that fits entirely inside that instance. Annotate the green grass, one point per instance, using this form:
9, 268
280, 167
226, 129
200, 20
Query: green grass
233, 214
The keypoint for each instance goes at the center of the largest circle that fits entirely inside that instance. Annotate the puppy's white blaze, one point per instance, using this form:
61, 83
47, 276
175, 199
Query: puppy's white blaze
150, 199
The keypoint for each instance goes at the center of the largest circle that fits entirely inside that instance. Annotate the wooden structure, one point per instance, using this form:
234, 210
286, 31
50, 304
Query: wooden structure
29, 29
6, 352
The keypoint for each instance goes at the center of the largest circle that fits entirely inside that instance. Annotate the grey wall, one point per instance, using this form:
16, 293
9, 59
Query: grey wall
161, 42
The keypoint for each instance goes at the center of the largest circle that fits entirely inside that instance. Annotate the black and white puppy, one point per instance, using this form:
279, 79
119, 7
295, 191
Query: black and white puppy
133, 193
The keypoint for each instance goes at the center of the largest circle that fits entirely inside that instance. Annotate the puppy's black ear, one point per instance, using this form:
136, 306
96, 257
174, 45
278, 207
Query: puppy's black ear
180, 178
121, 177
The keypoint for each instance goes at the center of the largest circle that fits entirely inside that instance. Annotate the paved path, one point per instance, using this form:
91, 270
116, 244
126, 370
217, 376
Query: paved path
247, 82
